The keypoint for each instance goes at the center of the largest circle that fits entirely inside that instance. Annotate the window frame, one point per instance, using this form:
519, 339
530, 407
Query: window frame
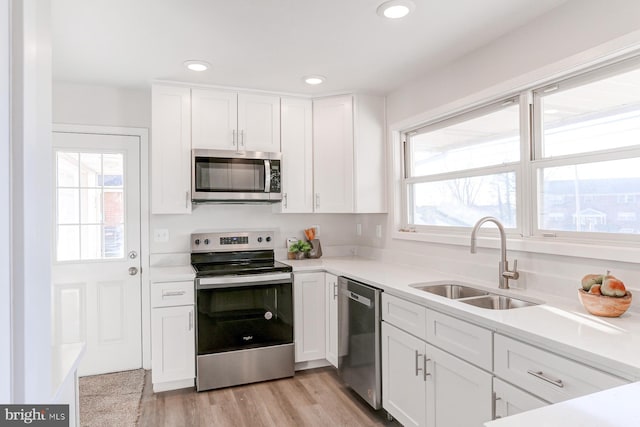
527, 169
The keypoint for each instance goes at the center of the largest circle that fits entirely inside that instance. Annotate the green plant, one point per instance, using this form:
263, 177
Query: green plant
300, 246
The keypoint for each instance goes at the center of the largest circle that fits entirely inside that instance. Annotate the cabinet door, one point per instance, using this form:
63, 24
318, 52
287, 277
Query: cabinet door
172, 344
309, 316
170, 150
458, 393
297, 156
403, 383
333, 154
510, 400
370, 154
259, 122
331, 344
214, 119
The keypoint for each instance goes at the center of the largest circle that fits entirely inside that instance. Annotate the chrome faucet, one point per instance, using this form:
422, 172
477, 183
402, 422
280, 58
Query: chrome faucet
503, 267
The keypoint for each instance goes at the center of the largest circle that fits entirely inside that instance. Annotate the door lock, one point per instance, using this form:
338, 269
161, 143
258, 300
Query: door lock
133, 271
133, 255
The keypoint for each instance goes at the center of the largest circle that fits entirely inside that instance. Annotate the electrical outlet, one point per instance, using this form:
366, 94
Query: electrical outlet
161, 235
379, 231
358, 229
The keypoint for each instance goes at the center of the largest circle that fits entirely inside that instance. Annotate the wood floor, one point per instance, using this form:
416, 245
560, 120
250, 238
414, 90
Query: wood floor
311, 398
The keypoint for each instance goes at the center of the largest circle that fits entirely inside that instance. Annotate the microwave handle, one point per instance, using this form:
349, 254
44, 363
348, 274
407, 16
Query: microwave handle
267, 176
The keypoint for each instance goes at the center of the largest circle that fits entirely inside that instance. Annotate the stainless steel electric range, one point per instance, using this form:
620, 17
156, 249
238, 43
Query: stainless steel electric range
244, 298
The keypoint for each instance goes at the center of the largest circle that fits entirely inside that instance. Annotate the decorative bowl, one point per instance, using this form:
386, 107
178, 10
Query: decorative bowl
602, 305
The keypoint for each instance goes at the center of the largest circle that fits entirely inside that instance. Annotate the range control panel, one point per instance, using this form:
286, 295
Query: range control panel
232, 241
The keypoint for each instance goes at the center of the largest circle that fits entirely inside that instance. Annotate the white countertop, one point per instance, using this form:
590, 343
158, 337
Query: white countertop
174, 273
616, 407
560, 325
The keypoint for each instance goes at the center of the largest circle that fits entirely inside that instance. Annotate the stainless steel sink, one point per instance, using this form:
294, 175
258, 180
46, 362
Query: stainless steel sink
498, 302
450, 290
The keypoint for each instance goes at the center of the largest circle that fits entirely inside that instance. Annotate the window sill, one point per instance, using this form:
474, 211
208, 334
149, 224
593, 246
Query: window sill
603, 251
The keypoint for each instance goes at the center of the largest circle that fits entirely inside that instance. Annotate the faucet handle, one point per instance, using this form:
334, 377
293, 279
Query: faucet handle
511, 274
515, 265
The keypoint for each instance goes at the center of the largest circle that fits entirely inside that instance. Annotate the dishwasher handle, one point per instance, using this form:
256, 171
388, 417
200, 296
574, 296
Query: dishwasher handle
359, 298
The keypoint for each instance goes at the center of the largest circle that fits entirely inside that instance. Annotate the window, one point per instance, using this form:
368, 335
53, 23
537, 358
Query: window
90, 206
576, 154
462, 169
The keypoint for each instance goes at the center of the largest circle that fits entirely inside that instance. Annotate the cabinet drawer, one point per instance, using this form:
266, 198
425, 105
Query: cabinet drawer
547, 375
405, 315
167, 294
467, 341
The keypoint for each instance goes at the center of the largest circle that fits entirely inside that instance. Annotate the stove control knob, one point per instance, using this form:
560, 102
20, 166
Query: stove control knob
259, 239
197, 242
206, 241
268, 238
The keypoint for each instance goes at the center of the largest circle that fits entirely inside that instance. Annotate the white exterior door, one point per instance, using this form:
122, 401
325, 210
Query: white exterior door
96, 253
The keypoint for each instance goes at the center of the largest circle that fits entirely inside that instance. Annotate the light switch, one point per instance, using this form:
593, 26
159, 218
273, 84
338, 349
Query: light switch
160, 235
358, 229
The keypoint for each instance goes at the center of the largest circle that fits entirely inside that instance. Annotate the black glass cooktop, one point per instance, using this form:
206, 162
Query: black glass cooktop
236, 263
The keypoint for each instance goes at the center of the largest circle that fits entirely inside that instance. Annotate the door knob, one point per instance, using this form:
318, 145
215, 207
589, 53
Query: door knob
133, 271
133, 255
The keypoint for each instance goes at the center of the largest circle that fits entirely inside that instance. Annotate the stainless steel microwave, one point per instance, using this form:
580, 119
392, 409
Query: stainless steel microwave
230, 176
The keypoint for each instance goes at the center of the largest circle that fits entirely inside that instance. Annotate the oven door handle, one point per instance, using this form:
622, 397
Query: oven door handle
233, 282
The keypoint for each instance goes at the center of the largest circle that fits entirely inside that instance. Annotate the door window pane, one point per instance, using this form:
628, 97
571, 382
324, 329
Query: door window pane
461, 202
597, 116
488, 140
90, 206
600, 197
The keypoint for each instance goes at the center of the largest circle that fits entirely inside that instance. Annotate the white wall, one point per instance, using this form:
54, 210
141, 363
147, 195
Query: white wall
101, 105
335, 229
577, 33
31, 200
5, 209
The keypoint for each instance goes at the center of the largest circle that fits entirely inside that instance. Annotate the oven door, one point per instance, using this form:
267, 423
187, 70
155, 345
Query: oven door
243, 312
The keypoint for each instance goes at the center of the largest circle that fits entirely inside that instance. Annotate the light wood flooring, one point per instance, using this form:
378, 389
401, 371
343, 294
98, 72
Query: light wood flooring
315, 397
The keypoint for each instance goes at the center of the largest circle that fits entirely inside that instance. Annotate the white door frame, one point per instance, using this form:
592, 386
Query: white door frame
143, 134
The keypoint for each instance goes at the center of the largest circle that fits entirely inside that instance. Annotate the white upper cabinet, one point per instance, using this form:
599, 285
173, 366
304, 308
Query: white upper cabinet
349, 154
214, 119
333, 154
170, 150
224, 120
297, 156
259, 122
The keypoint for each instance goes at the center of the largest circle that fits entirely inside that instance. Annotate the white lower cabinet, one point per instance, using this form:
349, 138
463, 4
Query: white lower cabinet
510, 400
425, 386
309, 328
331, 310
173, 359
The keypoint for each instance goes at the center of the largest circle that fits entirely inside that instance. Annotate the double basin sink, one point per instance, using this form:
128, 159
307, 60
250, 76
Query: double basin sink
472, 296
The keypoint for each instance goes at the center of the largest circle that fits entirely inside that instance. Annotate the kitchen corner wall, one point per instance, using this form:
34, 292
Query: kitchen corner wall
108, 106
578, 32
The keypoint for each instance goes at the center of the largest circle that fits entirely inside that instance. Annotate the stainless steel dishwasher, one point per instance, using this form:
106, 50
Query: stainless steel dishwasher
359, 339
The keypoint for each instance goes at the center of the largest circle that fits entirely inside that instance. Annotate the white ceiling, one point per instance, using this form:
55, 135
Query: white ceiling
271, 44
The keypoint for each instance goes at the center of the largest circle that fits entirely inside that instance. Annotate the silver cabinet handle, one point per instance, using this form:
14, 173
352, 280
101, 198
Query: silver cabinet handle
173, 293
285, 201
335, 290
233, 138
543, 377
186, 199
317, 200
425, 374
191, 320
494, 404
418, 368
242, 138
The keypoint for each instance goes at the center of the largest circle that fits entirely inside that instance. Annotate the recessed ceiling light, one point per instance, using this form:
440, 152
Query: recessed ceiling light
197, 65
314, 80
395, 9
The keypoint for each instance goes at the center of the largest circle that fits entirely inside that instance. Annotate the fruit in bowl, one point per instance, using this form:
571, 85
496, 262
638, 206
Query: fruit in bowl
604, 295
